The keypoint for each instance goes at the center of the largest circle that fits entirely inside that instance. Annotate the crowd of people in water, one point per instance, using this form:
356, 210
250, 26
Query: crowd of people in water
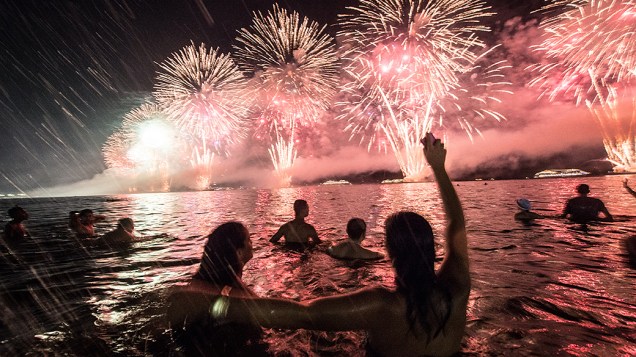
425, 314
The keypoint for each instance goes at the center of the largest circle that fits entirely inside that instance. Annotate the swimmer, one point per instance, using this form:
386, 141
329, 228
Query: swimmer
123, 234
425, 315
227, 249
83, 222
525, 214
14, 230
352, 248
297, 232
582, 209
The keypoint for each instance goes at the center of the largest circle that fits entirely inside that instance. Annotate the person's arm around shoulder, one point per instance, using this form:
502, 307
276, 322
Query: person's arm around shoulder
455, 264
361, 310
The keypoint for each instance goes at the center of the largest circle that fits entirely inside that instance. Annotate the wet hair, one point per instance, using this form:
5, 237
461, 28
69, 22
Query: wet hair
85, 212
355, 228
300, 204
410, 244
126, 223
583, 189
220, 263
14, 212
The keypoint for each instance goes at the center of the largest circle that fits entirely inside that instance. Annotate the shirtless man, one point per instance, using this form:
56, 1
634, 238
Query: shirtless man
583, 209
351, 248
14, 231
83, 222
122, 235
297, 232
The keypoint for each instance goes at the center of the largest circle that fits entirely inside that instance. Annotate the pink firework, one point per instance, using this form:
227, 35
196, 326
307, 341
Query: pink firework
589, 53
203, 92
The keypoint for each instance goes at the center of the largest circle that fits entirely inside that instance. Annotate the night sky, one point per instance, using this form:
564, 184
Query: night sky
72, 69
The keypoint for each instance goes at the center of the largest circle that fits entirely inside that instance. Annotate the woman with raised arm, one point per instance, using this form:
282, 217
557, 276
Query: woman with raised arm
424, 315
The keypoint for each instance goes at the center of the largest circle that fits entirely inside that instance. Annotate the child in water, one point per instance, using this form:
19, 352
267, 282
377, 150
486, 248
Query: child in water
351, 248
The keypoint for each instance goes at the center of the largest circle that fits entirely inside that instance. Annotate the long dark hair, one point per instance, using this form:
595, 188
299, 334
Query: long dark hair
411, 247
220, 263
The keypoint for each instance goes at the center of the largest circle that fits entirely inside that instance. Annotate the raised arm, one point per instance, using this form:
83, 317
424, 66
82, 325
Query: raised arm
455, 265
629, 189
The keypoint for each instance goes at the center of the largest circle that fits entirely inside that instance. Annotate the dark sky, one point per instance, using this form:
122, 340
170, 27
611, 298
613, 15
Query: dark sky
72, 69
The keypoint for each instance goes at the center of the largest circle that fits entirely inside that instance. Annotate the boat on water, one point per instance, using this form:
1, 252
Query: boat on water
393, 181
336, 182
560, 173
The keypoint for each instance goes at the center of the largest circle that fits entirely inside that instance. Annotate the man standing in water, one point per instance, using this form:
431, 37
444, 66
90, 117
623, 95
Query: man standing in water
297, 232
583, 209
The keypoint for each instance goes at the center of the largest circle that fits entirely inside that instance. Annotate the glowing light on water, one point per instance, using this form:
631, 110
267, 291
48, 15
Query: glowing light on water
591, 51
403, 60
295, 71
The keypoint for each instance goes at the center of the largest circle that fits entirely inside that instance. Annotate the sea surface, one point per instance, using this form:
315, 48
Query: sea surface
552, 288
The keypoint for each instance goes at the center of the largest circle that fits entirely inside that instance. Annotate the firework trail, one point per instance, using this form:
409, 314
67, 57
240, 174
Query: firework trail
204, 92
403, 58
590, 52
295, 69
146, 146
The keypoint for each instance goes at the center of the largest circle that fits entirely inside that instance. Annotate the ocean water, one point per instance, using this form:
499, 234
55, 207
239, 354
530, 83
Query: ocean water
548, 289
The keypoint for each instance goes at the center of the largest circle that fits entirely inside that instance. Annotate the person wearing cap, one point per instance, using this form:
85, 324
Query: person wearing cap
582, 209
525, 214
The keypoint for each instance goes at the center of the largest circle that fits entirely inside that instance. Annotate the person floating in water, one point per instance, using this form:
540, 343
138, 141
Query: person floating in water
14, 230
227, 250
352, 248
83, 222
583, 209
297, 232
424, 315
525, 215
122, 235
629, 189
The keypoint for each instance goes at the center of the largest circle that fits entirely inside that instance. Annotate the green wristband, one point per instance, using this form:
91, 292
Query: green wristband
219, 307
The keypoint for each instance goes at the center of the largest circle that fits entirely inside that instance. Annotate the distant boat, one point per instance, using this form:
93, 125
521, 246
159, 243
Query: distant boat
393, 181
560, 173
336, 182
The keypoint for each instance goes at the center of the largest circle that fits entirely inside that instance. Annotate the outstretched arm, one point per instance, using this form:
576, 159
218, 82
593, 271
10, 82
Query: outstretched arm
629, 189
455, 265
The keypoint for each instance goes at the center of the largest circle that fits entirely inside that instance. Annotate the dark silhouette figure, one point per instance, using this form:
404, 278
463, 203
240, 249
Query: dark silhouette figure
83, 222
14, 230
226, 252
583, 209
297, 232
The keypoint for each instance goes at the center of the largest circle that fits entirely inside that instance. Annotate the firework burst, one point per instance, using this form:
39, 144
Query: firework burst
204, 93
590, 55
295, 68
402, 59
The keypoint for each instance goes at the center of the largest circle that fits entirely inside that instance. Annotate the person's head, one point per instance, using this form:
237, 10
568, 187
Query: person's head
524, 204
226, 251
18, 213
301, 208
411, 247
356, 229
126, 224
86, 216
583, 189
